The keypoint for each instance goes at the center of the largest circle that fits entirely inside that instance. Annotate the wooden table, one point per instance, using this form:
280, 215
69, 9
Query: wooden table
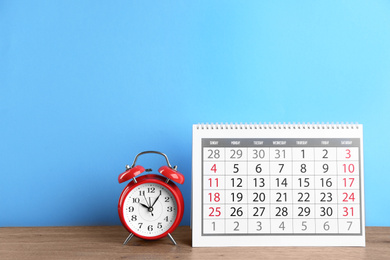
106, 243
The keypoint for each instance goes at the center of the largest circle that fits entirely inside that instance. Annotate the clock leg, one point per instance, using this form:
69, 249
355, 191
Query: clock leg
171, 238
128, 238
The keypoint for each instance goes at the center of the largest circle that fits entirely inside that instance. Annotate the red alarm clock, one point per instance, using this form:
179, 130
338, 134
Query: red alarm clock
151, 206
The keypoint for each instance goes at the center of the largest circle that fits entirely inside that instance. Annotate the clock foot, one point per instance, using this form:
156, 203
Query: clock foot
171, 238
128, 238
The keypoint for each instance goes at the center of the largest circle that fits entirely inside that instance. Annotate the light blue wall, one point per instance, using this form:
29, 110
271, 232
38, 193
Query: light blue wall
86, 85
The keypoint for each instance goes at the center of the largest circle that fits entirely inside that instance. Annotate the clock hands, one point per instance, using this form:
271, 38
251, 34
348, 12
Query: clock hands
149, 205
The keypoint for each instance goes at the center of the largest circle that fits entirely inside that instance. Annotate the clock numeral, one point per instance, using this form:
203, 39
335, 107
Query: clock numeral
131, 209
166, 218
169, 209
136, 200
152, 190
134, 218
150, 228
159, 225
140, 225
166, 199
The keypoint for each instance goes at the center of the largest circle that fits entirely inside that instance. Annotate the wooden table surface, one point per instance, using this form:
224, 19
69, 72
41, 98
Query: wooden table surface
106, 243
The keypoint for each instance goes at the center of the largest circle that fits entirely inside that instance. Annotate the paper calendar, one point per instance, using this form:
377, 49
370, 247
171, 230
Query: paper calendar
278, 185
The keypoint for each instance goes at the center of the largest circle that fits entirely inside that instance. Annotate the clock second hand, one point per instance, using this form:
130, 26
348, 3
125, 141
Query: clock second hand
150, 209
146, 200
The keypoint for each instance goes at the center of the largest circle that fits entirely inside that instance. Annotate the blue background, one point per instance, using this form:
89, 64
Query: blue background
86, 85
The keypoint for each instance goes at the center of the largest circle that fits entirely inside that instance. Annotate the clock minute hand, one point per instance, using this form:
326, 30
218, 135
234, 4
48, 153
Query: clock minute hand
156, 199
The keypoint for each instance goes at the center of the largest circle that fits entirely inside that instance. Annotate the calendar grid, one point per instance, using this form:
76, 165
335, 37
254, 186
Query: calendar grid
238, 204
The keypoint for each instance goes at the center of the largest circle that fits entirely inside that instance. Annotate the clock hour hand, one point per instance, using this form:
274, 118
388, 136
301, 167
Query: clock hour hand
143, 205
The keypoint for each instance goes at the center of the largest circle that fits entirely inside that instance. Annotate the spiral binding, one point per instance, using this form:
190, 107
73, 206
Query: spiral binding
276, 126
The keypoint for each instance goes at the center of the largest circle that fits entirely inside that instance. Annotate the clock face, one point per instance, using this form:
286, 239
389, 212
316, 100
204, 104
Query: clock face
149, 209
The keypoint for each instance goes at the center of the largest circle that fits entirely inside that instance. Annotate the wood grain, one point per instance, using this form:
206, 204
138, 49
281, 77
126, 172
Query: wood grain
106, 243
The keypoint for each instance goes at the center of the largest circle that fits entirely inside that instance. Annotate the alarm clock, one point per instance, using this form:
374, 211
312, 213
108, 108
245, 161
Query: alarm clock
151, 206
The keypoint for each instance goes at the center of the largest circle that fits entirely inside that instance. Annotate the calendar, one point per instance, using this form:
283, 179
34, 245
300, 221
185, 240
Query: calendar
277, 185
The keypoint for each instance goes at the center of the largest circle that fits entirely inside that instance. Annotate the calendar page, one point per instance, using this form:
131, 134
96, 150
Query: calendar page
278, 185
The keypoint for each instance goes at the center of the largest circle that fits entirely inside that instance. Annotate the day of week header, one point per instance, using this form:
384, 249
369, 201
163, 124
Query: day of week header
284, 142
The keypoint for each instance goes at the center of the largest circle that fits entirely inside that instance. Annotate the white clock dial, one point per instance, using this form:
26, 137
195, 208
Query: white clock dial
150, 209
